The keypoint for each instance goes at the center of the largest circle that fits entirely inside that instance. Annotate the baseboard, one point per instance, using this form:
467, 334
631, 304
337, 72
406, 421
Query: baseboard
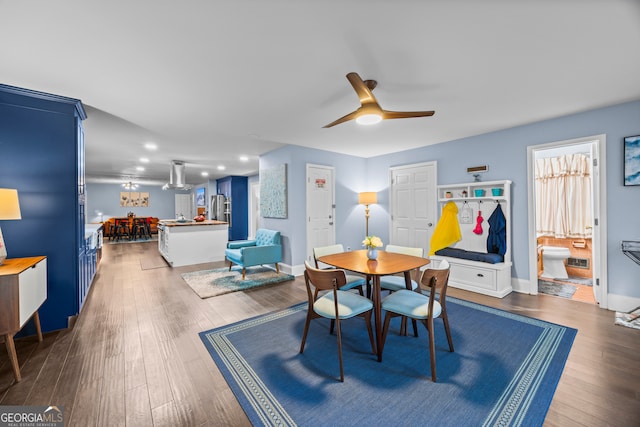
521, 285
622, 303
296, 270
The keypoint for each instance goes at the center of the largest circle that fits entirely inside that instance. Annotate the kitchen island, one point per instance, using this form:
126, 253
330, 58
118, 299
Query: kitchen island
190, 242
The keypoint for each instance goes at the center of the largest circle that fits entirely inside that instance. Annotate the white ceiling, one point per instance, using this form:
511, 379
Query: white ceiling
209, 80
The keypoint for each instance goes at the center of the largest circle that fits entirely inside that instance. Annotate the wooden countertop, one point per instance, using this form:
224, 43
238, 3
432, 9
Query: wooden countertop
13, 266
175, 223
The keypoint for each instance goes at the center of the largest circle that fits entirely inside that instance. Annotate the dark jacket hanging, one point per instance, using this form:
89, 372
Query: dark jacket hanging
497, 238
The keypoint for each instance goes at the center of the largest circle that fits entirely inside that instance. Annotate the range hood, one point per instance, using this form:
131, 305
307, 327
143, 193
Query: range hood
177, 177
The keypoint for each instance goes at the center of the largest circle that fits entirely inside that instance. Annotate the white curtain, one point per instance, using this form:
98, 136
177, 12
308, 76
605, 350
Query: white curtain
563, 196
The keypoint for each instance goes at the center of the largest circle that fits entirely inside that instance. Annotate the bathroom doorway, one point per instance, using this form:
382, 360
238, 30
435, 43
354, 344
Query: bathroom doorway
566, 219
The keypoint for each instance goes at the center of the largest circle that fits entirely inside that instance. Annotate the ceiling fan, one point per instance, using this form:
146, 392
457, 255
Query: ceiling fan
370, 111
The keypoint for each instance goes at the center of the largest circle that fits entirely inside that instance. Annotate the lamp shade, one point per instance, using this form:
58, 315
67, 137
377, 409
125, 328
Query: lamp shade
9, 205
368, 198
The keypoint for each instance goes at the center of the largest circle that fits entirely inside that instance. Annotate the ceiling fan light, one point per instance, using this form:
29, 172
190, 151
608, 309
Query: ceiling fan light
368, 119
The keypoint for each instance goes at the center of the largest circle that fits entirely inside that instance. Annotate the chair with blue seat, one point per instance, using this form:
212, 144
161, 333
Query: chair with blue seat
418, 306
264, 249
353, 280
396, 283
326, 300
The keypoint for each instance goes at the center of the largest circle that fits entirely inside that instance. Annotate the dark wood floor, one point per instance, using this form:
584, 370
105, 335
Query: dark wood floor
134, 357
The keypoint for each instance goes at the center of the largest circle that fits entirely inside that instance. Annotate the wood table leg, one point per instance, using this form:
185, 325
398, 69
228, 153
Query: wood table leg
377, 308
13, 357
36, 320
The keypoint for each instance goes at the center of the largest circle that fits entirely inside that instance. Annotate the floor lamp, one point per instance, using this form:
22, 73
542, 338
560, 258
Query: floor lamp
367, 198
9, 209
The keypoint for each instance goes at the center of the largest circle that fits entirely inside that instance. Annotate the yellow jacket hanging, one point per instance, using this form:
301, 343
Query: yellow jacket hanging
447, 230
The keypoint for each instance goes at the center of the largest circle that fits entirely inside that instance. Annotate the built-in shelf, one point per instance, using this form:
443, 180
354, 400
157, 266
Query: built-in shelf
481, 277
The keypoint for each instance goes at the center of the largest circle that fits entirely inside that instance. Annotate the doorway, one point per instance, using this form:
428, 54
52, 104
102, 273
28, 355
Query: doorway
184, 205
254, 209
567, 219
320, 208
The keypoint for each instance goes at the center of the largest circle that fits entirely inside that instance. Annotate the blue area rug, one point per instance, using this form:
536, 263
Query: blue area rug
504, 370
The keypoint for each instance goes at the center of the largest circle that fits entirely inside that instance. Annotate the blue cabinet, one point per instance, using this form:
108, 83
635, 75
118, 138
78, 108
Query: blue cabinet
42, 156
235, 190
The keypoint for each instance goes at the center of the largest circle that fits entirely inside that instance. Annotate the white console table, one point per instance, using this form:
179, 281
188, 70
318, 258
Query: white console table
23, 289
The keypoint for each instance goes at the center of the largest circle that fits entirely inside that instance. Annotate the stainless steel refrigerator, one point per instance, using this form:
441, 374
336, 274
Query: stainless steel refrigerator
218, 207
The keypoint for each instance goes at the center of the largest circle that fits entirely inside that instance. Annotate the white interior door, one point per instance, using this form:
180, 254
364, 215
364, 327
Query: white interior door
413, 205
320, 208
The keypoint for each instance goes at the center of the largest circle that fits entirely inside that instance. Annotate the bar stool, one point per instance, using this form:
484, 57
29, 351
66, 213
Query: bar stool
122, 229
140, 229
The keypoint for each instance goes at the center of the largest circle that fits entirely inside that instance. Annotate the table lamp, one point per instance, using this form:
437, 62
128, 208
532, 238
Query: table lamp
9, 209
367, 198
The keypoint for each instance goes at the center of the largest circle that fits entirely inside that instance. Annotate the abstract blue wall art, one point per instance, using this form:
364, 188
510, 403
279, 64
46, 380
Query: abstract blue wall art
632, 160
273, 192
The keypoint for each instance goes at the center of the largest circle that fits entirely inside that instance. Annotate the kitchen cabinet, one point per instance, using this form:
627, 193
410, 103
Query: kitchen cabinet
192, 242
43, 158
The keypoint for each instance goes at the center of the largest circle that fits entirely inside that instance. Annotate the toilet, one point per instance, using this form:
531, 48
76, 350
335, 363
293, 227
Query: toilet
553, 262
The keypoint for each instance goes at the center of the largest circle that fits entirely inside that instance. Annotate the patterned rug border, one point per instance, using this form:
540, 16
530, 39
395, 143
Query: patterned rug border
511, 408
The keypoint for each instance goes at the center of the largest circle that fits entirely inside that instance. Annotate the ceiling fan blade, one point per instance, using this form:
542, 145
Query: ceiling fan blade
343, 119
405, 114
363, 92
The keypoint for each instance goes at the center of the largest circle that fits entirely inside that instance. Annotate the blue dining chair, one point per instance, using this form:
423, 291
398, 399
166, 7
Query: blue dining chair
334, 304
396, 283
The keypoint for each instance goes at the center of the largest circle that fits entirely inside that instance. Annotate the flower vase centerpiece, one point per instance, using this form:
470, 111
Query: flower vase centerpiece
372, 243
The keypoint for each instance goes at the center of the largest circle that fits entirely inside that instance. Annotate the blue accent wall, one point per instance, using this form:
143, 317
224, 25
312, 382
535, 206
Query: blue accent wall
40, 148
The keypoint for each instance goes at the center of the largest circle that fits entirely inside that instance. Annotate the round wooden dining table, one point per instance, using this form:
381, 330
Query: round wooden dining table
388, 263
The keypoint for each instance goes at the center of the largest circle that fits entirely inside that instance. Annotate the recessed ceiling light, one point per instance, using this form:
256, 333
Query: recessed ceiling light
150, 146
144, 159
221, 168
139, 168
204, 173
244, 158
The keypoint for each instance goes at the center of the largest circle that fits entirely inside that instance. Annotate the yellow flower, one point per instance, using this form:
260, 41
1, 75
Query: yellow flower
372, 242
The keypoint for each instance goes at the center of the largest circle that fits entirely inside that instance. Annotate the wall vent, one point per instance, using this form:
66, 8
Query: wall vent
578, 262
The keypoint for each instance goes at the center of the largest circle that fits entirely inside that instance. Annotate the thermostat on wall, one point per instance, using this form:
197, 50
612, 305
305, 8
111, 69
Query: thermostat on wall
478, 169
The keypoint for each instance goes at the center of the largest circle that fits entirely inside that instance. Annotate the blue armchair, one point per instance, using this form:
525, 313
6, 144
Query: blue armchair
264, 249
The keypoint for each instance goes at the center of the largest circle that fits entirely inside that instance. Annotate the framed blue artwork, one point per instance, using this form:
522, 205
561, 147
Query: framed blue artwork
273, 192
632, 160
201, 198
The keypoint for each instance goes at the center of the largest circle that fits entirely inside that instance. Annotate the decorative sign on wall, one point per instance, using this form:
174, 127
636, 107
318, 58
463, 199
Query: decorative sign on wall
134, 199
273, 192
